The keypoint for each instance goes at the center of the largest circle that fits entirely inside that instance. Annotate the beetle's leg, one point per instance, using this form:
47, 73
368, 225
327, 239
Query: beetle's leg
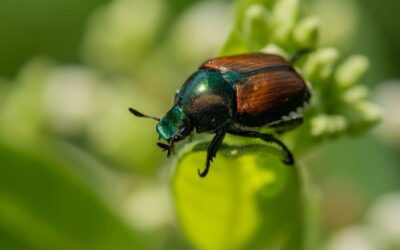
289, 160
285, 126
213, 149
294, 58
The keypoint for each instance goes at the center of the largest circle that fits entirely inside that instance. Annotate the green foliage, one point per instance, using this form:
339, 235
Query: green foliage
21, 112
76, 103
55, 208
228, 209
43, 27
114, 28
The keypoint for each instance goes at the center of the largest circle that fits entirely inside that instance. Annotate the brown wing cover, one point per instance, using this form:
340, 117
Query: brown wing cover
244, 63
267, 96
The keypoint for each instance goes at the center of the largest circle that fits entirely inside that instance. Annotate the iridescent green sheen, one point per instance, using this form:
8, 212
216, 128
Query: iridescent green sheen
203, 82
207, 98
231, 77
169, 124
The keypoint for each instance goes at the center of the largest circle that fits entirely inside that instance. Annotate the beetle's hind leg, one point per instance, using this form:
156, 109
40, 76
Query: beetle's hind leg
289, 160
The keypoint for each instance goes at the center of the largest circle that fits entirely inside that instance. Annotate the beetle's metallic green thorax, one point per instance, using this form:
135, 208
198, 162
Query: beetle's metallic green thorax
204, 82
207, 98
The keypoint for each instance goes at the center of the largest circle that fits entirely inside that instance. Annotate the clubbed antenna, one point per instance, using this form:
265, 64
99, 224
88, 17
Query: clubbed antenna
139, 114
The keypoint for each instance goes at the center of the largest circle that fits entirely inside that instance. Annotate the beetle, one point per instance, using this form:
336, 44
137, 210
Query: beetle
237, 95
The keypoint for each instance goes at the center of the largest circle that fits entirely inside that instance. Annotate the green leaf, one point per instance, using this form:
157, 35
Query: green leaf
249, 199
45, 204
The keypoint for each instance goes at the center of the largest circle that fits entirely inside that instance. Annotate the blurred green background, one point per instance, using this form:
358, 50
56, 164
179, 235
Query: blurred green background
78, 172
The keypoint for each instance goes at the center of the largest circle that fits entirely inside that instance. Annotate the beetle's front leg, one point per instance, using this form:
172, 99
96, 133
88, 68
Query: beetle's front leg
213, 149
289, 160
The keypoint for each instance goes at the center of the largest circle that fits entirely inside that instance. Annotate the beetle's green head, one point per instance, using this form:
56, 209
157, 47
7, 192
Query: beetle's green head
175, 125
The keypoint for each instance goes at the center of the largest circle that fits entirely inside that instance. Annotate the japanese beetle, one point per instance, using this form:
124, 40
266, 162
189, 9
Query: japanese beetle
236, 95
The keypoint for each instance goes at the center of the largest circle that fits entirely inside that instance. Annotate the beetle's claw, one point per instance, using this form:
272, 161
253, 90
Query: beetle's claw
204, 173
169, 153
289, 160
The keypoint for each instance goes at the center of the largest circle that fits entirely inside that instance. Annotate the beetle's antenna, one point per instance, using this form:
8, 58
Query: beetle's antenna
139, 114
